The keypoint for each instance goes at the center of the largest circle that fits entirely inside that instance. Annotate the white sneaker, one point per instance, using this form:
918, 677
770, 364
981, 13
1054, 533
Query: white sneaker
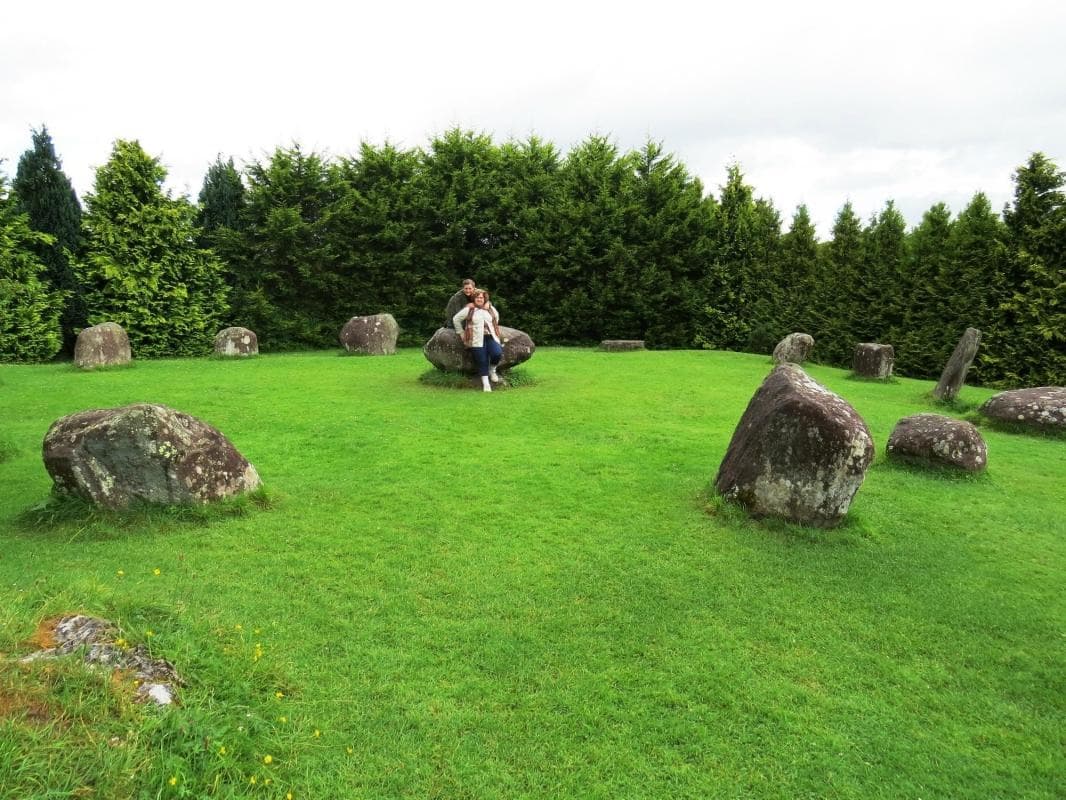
485, 385
493, 376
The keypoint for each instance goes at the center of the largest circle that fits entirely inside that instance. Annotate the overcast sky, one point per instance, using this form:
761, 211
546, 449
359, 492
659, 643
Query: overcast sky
819, 102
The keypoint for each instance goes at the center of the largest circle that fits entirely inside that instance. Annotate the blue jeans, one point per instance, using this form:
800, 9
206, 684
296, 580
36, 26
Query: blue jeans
489, 353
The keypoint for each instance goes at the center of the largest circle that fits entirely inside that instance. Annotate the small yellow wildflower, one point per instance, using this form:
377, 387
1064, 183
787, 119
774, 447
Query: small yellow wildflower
253, 780
268, 759
222, 750
121, 643
238, 627
173, 780
156, 571
257, 631
317, 733
288, 795
283, 719
149, 634
348, 750
268, 781
279, 695
121, 572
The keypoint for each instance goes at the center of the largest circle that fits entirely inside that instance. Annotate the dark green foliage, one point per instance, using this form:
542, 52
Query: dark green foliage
837, 314
797, 269
44, 193
143, 268
29, 307
881, 289
221, 200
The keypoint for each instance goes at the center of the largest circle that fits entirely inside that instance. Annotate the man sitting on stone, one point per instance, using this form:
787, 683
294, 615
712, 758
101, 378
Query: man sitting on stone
460, 300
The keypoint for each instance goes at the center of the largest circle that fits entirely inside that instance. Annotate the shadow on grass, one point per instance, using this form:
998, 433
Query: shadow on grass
512, 379
890, 380
926, 470
849, 532
71, 517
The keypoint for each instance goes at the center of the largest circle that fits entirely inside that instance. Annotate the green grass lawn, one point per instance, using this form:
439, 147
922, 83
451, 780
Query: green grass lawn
530, 593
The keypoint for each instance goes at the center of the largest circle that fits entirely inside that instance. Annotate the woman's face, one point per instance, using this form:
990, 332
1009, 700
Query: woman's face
479, 300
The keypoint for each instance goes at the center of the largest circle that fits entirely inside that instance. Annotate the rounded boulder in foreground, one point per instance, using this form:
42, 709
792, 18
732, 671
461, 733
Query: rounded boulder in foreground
375, 335
103, 345
938, 440
146, 453
236, 343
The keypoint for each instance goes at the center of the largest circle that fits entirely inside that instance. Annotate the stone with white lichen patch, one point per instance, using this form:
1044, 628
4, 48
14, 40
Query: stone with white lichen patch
1042, 408
934, 439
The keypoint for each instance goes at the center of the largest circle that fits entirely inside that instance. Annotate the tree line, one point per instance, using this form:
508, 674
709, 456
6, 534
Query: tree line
594, 244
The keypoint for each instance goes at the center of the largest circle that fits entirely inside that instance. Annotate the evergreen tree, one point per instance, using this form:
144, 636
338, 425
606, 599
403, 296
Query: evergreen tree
1033, 325
797, 270
44, 192
881, 291
837, 314
142, 268
29, 307
221, 201
922, 338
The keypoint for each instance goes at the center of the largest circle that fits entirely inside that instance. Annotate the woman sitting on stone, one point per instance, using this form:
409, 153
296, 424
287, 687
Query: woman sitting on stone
481, 336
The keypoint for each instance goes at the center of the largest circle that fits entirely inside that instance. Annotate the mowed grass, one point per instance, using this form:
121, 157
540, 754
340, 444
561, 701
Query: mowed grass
532, 593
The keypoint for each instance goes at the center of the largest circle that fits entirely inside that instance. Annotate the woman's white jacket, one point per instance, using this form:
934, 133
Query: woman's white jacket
481, 319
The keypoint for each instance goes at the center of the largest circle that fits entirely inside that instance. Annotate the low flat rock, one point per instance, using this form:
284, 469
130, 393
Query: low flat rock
1042, 408
103, 345
794, 349
445, 351
147, 453
374, 335
800, 452
621, 345
934, 439
236, 343
873, 360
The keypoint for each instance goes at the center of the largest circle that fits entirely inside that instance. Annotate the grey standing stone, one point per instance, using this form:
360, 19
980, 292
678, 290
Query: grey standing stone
799, 452
1041, 409
446, 352
954, 374
374, 335
794, 349
938, 440
103, 345
148, 453
873, 360
236, 343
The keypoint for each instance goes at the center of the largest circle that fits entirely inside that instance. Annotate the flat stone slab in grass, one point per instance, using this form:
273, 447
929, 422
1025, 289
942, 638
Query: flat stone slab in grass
101, 646
103, 345
799, 452
147, 453
374, 335
794, 348
872, 360
621, 345
938, 440
954, 374
445, 351
236, 342
1042, 408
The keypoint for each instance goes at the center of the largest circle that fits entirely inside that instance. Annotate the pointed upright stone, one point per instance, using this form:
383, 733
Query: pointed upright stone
954, 374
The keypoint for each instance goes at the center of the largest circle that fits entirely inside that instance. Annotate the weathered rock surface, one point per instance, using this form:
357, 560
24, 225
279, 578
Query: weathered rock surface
103, 345
1042, 408
143, 453
236, 343
156, 678
794, 348
799, 452
621, 345
374, 335
873, 360
954, 374
938, 440
445, 351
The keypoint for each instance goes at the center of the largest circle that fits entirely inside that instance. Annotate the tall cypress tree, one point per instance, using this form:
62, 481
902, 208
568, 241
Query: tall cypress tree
142, 267
926, 325
797, 270
29, 307
44, 193
838, 314
882, 288
221, 200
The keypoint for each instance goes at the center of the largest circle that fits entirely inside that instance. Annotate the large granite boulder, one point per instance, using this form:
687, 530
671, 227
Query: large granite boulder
236, 343
445, 351
374, 335
794, 348
147, 453
799, 452
103, 345
873, 360
954, 374
1041, 409
938, 440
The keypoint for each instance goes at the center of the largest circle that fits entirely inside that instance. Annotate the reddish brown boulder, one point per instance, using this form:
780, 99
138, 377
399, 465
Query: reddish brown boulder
375, 335
145, 453
799, 452
103, 345
938, 440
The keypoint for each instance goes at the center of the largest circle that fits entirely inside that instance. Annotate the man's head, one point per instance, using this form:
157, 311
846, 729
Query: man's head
468, 286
